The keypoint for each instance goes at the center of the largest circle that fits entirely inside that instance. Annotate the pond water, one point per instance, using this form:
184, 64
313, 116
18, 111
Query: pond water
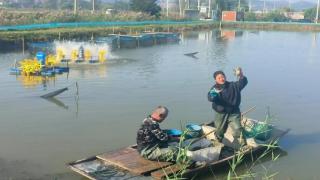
38, 137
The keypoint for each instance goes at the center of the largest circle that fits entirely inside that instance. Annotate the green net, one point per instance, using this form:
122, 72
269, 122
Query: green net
260, 131
100, 24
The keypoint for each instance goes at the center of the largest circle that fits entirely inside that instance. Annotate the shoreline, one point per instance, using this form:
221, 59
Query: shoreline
74, 32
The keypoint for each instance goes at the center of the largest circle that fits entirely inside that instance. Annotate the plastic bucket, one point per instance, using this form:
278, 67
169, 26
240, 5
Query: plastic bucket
194, 130
174, 132
41, 57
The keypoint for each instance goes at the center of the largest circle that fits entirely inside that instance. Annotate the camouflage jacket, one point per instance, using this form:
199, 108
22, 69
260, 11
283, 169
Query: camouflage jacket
150, 135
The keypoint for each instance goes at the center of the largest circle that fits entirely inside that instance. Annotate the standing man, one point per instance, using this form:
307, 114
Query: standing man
226, 98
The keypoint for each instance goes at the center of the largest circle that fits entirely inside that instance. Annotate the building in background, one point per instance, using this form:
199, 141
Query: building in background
294, 15
191, 14
231, 16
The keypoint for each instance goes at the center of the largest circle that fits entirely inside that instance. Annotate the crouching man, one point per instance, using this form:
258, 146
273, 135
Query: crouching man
155, 144
152, 141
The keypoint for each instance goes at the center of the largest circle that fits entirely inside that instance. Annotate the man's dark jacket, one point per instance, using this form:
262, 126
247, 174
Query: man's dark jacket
227, 98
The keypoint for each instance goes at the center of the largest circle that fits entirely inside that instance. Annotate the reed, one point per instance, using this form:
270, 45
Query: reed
181, 159
249, 173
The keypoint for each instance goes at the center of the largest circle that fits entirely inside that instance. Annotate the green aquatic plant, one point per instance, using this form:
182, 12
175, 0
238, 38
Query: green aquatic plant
181, 159
239, 158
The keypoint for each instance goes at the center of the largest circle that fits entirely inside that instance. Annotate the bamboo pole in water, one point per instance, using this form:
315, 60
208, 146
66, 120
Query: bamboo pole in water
23, 45
118, 40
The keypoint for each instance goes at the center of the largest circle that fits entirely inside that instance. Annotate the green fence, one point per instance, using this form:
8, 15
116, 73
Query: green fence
98, 24
238, 24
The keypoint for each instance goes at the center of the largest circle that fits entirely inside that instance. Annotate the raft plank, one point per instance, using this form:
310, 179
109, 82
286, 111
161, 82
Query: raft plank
162, 173
129, 159
82, 173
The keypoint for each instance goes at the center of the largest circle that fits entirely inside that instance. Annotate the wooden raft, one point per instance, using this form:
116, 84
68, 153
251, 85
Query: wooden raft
129, 159
162, 173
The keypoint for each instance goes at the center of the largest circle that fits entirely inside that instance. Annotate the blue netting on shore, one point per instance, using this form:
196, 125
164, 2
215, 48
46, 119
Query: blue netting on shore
144, 23
97, 24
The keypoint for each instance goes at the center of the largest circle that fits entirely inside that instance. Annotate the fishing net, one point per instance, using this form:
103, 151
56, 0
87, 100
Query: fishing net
260, 131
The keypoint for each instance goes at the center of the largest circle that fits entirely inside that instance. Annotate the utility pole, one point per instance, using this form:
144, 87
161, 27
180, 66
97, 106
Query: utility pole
239, 5
167, 8
317, 14
75, 7
250, 6
180, 8
209, 9
182, 5
199, 5
289, 5
93, 6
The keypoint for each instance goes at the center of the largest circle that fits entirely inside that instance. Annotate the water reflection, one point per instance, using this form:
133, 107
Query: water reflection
201, 36
115, 95
89, 71
192, 55
190, 35
57, 102
217, 42
314, 39
218, 50
249, 161
204, 36
291, 141
313, 50
9, 46
35, 81
228, 34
